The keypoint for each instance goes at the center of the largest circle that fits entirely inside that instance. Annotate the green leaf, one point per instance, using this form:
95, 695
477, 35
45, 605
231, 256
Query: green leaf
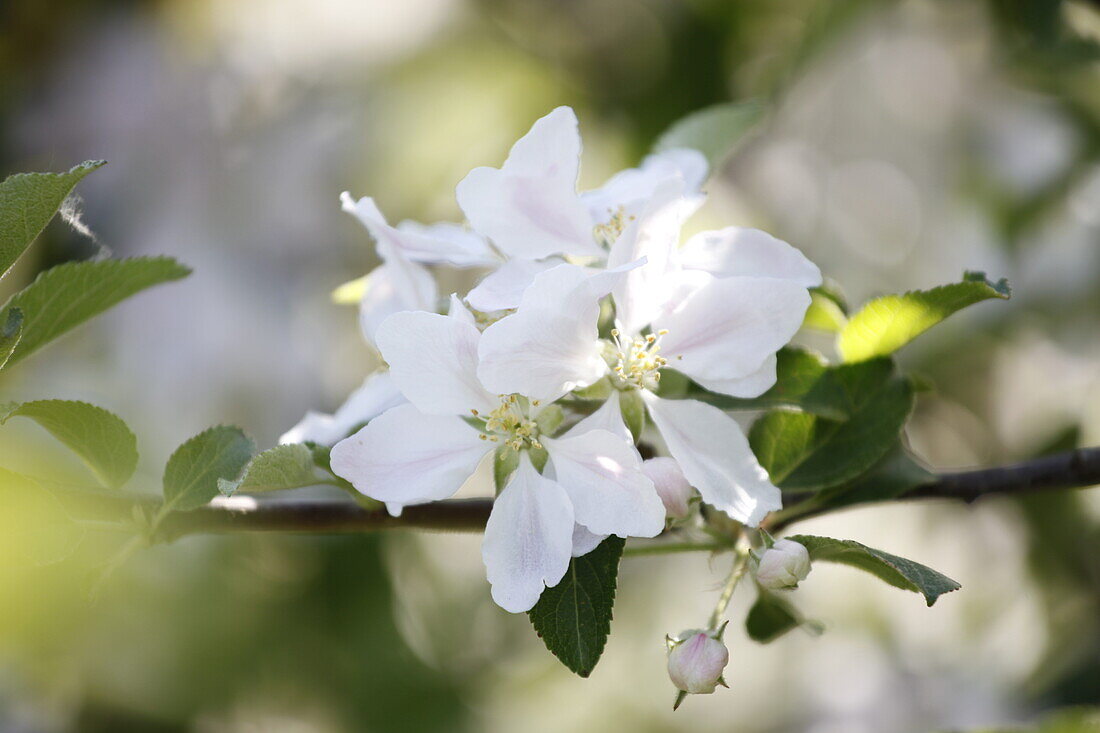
67, 295
714, 131
27, 203
896, 474
101, 438
806, 381
772, 616
191, 476
824, 314
574, 617
886, 324
33, 523
897, 571
805, 452
505, 461
10, 333
281, 467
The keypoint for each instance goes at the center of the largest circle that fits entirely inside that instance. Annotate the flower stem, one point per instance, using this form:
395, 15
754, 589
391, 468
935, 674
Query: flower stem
740, 565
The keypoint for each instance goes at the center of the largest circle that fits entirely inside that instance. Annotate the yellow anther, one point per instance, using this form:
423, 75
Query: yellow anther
474, 412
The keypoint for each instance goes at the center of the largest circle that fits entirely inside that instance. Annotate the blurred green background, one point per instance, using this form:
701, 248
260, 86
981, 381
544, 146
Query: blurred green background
906, 141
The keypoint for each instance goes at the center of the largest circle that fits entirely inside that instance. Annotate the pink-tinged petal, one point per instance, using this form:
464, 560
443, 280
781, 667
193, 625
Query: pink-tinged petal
742, 252
433, 360
530, 208
406, 457
671, 484
584, 541
503, 288
603, 477
630, 188
396, 285
608, 417
653, 234
449, 243
729, 326
528, 539
753, 385
715, 457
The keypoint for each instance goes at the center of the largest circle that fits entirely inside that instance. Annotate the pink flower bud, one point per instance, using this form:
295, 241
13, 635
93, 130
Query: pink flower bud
672, 487
783, 565
695, 661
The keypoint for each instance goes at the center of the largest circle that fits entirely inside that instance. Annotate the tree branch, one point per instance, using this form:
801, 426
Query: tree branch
1074, 469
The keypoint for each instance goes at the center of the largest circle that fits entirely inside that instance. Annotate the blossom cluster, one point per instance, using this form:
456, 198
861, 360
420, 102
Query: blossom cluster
588, 299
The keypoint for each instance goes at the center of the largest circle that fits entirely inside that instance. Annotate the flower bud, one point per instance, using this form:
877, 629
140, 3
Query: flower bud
672, 487
783, 565
696, 659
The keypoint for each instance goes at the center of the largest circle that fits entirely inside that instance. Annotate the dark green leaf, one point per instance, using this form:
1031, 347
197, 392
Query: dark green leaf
574, 617
191, 476
896, 474
886, 324
101, 438
897, 571
770, 618
67, 295
714, 131
281, 467
33, 523
27, 203
804, 452
10, 333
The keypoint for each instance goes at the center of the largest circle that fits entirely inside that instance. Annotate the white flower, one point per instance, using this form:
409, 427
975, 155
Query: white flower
376, 395
424, 451
671, 485
783, 565
630, 188
696, 659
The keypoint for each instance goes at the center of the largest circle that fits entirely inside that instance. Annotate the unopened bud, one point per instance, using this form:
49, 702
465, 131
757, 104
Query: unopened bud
672, 487
783, 565
696, 659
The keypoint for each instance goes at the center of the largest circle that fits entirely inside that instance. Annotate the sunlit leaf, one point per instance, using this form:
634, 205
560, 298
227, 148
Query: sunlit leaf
101, 438
33, 523
714, 131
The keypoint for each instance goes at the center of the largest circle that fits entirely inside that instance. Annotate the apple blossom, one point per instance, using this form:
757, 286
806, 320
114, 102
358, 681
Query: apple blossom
376, 395
696, 659
783, 565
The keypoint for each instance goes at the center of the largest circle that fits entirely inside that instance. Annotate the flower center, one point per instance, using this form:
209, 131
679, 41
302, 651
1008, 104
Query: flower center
607, 232
510, 424
639, 360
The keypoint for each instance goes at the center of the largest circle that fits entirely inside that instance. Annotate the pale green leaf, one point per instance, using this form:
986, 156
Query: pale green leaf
897, 571
192, 473
574, 617
714, 131
886, 324
276, 469
101, 438
33, 523
67, 295
10, 333
27, 203
824, 314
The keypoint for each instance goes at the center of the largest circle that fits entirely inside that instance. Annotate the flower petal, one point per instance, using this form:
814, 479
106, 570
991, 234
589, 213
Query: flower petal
604, 479
528, 539
315, 427
627, 188
530, 207
457, 309
715, 457
731, 325
584, 541
742, 252
653, 234
450, 243
503, 288
608, 417
433, 360
394, 286
671, 484
406, 457
753, 385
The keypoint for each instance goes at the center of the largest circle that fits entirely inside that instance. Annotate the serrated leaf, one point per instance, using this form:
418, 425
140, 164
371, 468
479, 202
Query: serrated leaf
824, 314
897, 571
806, 381
27, 203
10, 333
886, 324
192, 473
714, 131
67, 295
33, 523
574, 617
281, 467
896, 474
805, 452
102, 439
